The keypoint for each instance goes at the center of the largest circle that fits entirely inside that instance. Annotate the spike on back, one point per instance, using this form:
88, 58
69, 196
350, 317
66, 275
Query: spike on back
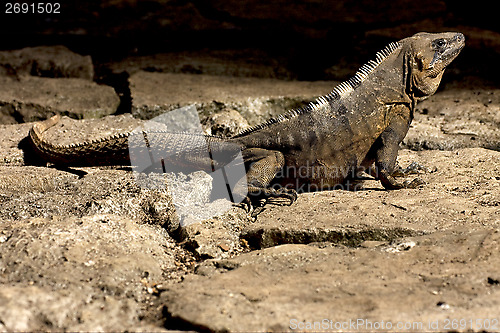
338, 92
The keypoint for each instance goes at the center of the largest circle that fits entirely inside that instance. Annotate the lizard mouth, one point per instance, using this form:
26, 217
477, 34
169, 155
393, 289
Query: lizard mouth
453, 54
440, 62
443, 57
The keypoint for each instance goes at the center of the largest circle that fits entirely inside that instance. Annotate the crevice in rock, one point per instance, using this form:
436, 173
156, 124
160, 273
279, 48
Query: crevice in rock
263, 238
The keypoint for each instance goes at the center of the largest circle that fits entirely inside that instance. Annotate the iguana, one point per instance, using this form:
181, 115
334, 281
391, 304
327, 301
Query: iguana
360, 124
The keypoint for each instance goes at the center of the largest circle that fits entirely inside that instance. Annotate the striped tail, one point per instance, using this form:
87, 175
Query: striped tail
106, 151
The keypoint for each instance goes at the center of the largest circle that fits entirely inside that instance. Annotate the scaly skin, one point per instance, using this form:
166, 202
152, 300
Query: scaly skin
359, 125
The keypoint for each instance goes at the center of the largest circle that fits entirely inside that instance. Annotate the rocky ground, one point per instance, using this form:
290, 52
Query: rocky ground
88, 249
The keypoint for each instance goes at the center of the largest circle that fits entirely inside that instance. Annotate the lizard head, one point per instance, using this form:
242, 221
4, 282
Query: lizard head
431, 53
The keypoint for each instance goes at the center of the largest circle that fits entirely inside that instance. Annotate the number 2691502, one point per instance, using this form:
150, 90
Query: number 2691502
32, 8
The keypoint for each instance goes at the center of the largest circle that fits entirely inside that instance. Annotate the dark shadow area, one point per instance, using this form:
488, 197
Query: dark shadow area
30, 156
311, 36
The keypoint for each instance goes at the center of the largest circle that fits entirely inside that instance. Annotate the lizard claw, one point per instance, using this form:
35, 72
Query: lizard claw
246, 204
286, 193
268, 196
250, 208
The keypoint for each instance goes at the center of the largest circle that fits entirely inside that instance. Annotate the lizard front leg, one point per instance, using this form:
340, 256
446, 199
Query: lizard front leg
386, 150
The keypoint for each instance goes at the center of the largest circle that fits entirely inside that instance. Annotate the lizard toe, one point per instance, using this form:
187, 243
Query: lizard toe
246, 204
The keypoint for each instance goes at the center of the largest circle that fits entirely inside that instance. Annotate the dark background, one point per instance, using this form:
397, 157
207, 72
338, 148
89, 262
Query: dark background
312, 39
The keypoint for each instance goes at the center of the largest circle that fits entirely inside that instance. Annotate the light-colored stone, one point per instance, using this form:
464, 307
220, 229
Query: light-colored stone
457, 118
48, 61
92, 273
28, 192
334, 288
255, 99
34, 98
225, 123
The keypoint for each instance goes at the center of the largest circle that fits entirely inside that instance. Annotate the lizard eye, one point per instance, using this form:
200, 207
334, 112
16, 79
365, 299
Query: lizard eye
440, 43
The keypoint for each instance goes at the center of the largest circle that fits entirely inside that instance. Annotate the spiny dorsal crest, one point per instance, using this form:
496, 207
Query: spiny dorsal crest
338, 92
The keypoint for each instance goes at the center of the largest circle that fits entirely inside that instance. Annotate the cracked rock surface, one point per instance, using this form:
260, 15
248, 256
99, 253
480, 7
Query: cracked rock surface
33, 98
307, 286
96, 249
